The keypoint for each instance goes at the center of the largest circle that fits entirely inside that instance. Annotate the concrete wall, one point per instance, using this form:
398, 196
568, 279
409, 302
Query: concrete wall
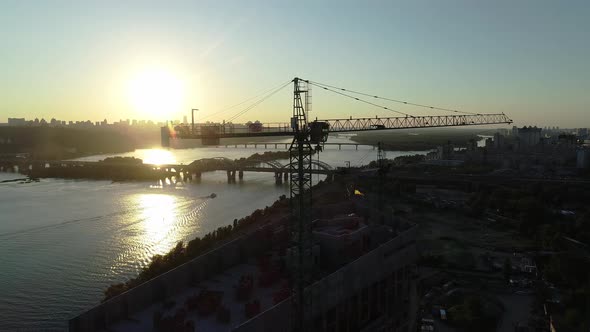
170, 283
342, 284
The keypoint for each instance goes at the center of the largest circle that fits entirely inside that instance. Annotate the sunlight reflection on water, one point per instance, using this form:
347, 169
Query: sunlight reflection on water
158, 212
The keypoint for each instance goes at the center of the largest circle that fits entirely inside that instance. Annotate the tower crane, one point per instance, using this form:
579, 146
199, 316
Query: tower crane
307, 136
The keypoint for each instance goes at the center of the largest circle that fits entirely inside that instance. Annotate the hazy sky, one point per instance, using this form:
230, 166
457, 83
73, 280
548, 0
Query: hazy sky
77, 60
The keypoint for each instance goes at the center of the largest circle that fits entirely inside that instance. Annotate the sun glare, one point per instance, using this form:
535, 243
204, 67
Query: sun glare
157, 157
156, 94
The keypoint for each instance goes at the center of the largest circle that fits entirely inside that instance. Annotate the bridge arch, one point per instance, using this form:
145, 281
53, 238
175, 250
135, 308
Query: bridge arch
272, 163
317, 163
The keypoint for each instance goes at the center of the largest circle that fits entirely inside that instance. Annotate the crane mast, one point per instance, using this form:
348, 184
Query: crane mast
300, 157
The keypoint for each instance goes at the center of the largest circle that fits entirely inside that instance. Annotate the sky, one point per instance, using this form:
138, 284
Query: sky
78, 60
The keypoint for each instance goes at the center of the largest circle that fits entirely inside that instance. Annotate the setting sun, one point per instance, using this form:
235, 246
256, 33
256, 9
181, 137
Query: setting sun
156, 93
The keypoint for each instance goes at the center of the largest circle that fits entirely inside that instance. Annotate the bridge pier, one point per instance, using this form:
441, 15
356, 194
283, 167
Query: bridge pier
285, 176
278, 178
231, 176
241, 175
339, 146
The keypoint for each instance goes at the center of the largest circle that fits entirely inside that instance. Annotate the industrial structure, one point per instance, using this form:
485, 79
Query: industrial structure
309, 135
321, 262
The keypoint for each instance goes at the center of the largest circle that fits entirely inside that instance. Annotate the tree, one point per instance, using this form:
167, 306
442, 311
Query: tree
507, 269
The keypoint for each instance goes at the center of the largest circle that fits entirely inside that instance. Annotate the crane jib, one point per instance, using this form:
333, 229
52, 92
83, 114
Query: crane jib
319, 129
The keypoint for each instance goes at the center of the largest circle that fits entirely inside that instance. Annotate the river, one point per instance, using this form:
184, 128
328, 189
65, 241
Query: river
62, 242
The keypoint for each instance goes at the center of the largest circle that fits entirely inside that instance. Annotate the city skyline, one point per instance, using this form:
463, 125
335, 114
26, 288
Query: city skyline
525, 59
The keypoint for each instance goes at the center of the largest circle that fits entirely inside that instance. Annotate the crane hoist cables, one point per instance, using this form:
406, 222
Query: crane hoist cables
256, 103
361, 100
258, 95
392, 100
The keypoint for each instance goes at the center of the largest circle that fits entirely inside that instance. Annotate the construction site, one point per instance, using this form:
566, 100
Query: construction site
245, 285
329, 258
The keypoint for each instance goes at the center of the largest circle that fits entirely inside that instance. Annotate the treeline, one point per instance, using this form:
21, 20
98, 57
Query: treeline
121, 161
123, 170
416, 140
182, 253
63, 143
266, 156
400, 161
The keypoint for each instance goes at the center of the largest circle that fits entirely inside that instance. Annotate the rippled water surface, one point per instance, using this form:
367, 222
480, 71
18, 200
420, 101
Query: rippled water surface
62, 242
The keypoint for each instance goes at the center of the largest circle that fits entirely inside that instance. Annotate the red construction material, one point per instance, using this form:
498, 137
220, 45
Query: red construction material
252, 308
206, 302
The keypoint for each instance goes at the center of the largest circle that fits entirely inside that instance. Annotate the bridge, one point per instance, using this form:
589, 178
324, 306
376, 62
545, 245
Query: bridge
129, 170
238, 167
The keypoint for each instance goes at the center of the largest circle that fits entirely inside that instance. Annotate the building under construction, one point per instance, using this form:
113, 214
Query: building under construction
337, 264
362, 279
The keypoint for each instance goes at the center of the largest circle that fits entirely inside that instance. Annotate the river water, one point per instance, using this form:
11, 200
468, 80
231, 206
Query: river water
62, 242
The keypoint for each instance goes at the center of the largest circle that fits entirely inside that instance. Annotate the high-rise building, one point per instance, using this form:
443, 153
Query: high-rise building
529, 136
498, 141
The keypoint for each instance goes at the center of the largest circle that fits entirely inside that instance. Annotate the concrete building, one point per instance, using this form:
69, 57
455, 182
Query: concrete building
498, 141
583, 159
363, 282
529, 136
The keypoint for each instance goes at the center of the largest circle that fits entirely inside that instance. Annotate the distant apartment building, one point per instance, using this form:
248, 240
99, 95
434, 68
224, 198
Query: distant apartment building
17, 122
498, 141
529, 136
583, 159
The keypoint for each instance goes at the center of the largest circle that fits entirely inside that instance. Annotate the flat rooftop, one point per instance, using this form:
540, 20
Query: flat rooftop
340, 226
224, 284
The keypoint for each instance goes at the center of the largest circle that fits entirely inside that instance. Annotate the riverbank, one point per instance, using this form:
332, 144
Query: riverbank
130, 168
182, 252
409, 140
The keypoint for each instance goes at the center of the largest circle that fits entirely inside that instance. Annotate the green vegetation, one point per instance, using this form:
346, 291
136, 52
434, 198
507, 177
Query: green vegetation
266, 156
181, 253
537, 212
474, 314
400, 161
